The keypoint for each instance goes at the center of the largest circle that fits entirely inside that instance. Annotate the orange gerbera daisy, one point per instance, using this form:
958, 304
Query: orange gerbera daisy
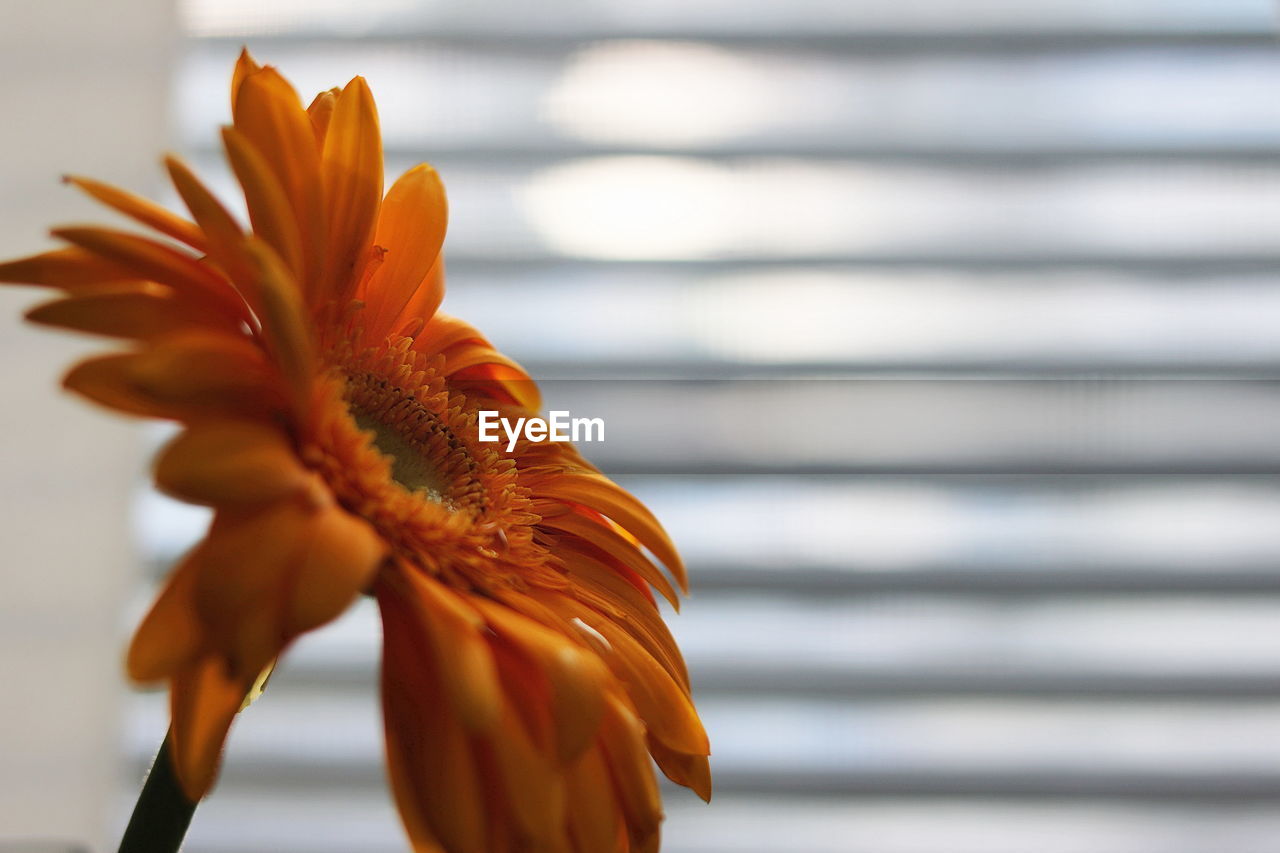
329, 415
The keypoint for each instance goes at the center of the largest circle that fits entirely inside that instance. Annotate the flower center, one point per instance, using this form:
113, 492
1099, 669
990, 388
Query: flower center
427, 457
409, 467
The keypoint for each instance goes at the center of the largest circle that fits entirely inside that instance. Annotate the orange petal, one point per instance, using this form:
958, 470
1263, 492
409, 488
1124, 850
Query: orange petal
622, 744
270, 573
403, 790
451, 631
321, 112
180, 378
530, 693
507, 384
224, 236
577, 679
143, 312
203, 702
646, 843
607, 540
425, 741
602, 588
270, 115
245, 587
339, 561
599, 493
504, 381
264, 580
72, 268
169, 635
658, 698
595, 824
443, 331
538, 611
230, 462
411, 228
270, 210
245, 66
464, 355
532, 788
155, 261
199, 367
691, 771
351, 171
283, 320
107, 380
425, 302
147, 212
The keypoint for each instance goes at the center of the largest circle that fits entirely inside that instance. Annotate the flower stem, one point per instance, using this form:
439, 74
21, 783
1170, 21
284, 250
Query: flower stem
162, 814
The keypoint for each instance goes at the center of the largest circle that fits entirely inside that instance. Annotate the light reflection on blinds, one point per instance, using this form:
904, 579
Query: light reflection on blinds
1048, 625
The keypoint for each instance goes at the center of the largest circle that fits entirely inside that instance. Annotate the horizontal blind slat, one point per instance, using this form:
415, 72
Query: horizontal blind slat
435, 99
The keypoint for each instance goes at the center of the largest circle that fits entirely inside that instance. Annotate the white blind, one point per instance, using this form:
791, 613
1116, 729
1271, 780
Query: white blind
1018, 586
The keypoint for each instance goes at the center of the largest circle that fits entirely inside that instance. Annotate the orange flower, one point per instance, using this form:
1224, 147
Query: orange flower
329, 415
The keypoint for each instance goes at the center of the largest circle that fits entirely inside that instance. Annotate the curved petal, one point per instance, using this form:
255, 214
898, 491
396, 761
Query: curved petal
602, 588
283, 319
143, 312
461, 356
270, 210
203, 700
107, 380
576, 677
443, 331
497, 377
451, 631
270, 116
351, 173
245, 66
147, 212
425, 741
532, 788
224, 236
659, 700
338, 562
181, 377
411, 228
225, 462
71, 268
270, 573
604, 537
508, 384
599, 493
321, 112
155, 261
242, 592
169, 636
595, 823
425, 301
622, 745
691, 771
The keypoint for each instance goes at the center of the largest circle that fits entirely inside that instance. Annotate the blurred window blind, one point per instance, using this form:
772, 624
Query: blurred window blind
1053, 628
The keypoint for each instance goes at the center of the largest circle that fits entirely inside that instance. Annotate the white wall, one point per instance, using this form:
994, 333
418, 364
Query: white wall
85, 90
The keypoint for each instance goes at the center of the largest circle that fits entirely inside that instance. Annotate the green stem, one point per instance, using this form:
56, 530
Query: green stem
162, 814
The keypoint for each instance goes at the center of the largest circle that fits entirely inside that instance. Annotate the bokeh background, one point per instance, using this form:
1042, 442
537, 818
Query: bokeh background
944, 336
